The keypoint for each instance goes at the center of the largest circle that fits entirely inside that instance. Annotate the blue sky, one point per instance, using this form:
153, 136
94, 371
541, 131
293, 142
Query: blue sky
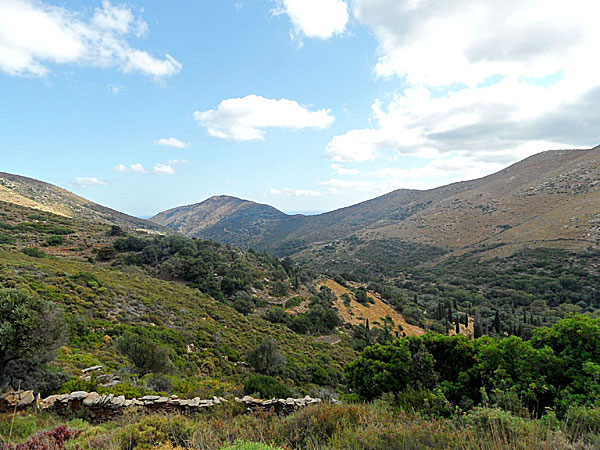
302, 104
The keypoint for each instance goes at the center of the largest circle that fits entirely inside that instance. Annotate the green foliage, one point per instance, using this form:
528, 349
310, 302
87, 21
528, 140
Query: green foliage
55, 240
146, 355
34, 252
244, 306
361, 296
115, 230
266, 387
6, 239
279, 289
266, 358
559, 367
31, 330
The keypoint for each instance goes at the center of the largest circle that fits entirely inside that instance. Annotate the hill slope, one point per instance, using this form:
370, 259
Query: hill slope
551, 198
224, 219
46, 197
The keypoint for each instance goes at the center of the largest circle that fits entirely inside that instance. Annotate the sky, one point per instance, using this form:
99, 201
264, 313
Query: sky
306, 105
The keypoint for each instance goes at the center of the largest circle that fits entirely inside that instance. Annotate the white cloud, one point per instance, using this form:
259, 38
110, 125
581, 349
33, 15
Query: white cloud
164, 169
88, 181
439, 43
245, 119
171, 142
34, 34
295, 192
344, 171
158, 169
135, 168
138, 168
491, 81
315, 18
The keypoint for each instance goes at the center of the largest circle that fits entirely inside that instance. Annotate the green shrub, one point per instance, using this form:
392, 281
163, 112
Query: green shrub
145, 354
6, 239
581, 421
266, 387
55, 240
31, 330
243, 306
34, 252
266, 358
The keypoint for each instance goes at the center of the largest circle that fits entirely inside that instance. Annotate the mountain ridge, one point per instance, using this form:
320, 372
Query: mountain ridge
527, 203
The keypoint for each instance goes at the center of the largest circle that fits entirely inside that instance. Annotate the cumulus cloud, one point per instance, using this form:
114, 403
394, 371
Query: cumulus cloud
171, 142
295, 192
164, 169
247, 118
489, 81
441, 43
315, 18
88, 181
34, 34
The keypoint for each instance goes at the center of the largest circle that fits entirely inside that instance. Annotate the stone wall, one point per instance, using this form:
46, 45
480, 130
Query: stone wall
105, 407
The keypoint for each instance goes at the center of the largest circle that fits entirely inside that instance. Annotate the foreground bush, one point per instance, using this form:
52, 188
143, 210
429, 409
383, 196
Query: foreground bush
376, 426
55, 439
558, 368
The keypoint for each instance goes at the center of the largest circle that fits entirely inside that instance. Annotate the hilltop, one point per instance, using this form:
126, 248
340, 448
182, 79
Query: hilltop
35, 194
222, 218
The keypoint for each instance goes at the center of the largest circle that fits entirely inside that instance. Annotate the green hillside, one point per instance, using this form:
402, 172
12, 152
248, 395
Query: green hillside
102, 300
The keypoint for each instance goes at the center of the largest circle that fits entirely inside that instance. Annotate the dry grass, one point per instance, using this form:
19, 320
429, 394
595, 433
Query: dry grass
356, 313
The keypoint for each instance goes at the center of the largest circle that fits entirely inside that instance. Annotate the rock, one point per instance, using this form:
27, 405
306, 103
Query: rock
91, 399
92, 369
118, 401
106, 407
77, 395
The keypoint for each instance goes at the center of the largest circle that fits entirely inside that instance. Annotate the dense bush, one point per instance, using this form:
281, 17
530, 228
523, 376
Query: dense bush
31, 330
265, 386
559, 367
34, 252
146, 355
267, 358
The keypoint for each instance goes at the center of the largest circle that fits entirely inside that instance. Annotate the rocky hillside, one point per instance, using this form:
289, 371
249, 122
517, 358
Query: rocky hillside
46, 197
549, 199
224, 219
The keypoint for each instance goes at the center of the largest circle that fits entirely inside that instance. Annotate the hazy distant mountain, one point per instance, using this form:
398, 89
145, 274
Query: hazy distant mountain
42, 196
549, 199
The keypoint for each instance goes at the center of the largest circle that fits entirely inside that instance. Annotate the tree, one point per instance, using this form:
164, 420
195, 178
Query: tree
145, 354
380, 369
266, 358
497, 322
31, 330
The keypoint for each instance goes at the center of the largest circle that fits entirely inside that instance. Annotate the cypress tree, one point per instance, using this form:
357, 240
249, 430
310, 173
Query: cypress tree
497, 322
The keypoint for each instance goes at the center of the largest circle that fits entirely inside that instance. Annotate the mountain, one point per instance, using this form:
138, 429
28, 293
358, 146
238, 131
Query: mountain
224, 219
549, 199
46, 197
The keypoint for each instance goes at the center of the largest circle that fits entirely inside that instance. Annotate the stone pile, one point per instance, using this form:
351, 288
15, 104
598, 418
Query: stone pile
281, 406
17, 399
106, 407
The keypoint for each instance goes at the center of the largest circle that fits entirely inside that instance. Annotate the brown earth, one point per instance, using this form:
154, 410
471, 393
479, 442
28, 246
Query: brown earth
357, 313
